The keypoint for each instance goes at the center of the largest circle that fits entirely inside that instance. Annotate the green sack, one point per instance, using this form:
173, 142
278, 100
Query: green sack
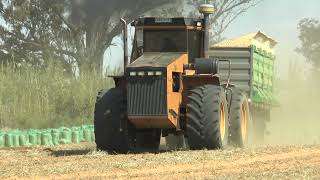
15, 139
23, 140
32, 138
91, 126
2, 142
55, 136
87, 135
66, 134
75, 137
81, 136
8, 140
39, 134
92, 135
84, 127
46, 139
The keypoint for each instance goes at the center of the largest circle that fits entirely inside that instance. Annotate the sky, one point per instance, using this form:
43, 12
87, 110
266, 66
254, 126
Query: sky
277, 18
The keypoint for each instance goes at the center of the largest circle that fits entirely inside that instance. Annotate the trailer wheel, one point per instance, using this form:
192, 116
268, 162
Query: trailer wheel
148, 140
240, 121
207, 118
113, 132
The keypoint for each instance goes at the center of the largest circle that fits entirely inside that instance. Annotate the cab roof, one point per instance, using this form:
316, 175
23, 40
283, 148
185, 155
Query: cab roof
161, 21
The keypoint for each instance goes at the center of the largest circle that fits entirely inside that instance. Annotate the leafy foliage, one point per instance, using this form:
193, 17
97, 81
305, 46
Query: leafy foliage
310, 40
34, 31
78, 32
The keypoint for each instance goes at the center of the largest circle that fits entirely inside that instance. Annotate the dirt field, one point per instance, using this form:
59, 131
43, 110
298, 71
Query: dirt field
82, 162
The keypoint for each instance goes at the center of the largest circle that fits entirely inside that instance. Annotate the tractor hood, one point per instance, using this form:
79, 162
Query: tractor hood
156, 59
152, 101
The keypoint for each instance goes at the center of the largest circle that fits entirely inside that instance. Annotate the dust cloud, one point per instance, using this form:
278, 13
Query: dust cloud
295, 121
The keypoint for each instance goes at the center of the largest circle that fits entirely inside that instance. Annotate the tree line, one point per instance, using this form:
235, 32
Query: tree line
309, 35
76, 33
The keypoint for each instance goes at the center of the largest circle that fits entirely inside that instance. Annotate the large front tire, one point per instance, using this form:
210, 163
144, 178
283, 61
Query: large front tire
207, 118
113, 131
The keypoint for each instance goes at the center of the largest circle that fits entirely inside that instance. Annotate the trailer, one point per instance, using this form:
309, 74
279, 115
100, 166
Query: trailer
252, 59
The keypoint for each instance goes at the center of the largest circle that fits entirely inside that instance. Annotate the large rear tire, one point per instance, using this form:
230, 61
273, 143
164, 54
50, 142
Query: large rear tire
240, 121
207, 118
113, 131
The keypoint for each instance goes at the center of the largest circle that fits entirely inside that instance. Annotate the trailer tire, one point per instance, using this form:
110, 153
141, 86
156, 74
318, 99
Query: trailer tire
207, 118
240, 121
113, 132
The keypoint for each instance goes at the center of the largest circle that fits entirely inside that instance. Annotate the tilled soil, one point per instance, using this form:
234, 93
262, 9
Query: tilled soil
83, 162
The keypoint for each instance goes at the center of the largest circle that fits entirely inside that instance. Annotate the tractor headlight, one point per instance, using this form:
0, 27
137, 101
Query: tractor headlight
150, 73
158, 73
133, 73
141, 73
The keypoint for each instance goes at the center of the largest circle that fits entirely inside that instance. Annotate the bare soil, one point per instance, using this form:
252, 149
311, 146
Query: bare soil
83, 162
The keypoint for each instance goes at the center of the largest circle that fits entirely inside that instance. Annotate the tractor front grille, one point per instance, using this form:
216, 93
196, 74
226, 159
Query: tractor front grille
147, 96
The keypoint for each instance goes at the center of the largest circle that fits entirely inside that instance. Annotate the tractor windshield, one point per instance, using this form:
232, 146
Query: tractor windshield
165, 41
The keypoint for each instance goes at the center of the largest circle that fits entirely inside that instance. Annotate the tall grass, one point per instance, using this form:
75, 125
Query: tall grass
42, 98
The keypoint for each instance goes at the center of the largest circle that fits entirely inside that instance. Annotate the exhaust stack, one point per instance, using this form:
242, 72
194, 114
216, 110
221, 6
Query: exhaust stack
125, 43
206, 10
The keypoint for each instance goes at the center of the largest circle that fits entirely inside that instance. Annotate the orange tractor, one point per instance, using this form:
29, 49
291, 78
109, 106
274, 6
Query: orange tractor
171, 86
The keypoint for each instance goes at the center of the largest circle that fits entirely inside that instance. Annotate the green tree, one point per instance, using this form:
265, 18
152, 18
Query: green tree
309, 36
100, 18
78, 32
33, 32
75, 32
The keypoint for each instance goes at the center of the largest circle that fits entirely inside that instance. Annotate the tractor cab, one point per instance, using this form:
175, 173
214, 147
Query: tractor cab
164, 64
156, 34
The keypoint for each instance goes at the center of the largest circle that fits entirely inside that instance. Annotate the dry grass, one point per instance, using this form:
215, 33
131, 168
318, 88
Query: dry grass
82, 161
47, 98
